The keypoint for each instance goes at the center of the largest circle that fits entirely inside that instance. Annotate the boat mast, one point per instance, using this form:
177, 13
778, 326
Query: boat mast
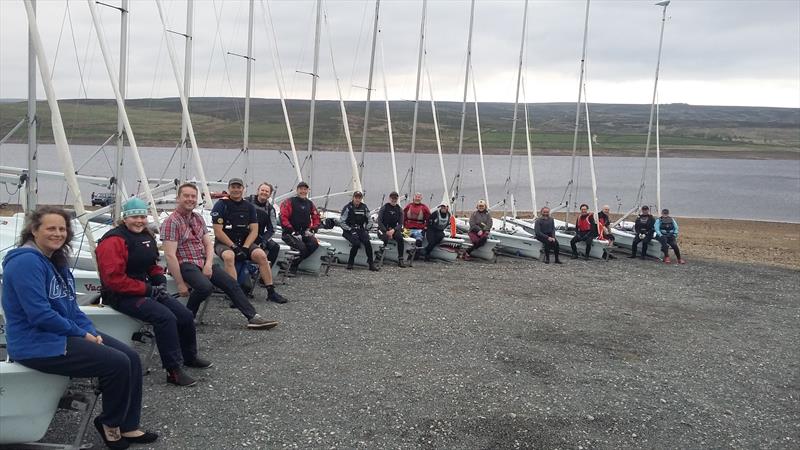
122, 112
516, 100
389, 121
249, 58
530, 155
416, 98
577, 113
187, 83
591, 159
480, 140
59, 135
640, 196
457, 180
119, 187
369, 89
314, 76
185, 108
446, 195
32, 183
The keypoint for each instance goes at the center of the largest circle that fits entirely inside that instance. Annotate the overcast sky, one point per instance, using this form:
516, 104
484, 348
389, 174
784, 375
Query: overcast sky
735, 52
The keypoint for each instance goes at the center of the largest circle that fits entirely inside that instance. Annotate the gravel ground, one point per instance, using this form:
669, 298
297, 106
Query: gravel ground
518, 354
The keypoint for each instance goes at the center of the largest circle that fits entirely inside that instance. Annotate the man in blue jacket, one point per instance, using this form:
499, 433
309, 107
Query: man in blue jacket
667, 233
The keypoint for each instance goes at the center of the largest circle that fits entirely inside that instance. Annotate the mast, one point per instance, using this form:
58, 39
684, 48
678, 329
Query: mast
516, 100
658, 165
577, 112
457, 179
369, 89
187, 79
59, 135
446, 195
639, 197
480, 140
119, 196
314, 77
121, 111
185, 109
389, 121
591, 159
246, 142
416, 97
32, 183
530, 157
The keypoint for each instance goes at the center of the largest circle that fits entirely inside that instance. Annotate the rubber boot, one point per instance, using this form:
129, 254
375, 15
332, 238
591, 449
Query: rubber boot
352, 259
547, 257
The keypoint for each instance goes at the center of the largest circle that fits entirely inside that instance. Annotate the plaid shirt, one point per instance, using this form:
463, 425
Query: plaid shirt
187, 231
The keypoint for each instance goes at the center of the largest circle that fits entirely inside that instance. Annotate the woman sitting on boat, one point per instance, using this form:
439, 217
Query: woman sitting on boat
135, 285
47, 331
480, 224
604, 230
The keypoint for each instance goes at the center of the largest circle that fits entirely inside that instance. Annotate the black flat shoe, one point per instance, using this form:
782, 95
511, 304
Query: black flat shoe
147, 438
120, 443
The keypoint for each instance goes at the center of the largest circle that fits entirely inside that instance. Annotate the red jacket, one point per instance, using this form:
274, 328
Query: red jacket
415, 216
286, 215
112, 260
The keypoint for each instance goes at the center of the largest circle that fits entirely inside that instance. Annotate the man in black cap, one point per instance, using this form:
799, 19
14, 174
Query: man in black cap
355, 223
299, 221
643, 229
235, 225
667, 234
390, 226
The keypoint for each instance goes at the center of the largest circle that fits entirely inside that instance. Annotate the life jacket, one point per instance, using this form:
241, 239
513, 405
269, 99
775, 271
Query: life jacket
358, 216
301, 214
142, 251
236, 220
583, 224
441, 222
263, 211
667, 227
416, 215
643, 223
390, 216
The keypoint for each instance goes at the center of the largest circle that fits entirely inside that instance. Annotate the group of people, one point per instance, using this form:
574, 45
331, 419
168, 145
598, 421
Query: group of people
47, 331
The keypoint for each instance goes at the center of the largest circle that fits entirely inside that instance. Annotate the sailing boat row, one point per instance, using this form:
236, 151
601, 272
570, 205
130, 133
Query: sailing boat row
510, 235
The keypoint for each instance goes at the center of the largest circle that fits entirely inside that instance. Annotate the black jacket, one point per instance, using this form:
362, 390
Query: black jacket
645, 224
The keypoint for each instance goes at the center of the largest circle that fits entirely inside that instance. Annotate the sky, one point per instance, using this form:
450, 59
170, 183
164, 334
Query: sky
715, 52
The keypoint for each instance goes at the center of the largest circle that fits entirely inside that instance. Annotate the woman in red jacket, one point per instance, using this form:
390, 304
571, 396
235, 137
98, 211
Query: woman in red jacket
135, 285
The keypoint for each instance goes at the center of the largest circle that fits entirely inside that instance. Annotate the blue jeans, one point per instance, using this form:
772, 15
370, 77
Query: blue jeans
116, 365
202, 288
173, 325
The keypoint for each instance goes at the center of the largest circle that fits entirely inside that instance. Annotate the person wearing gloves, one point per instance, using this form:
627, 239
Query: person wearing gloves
439, 221
415, 218
585, 231
667, 234
235, 223
643, 228
299, 221
355, 223
480, 225
47, 331
134, 284
390, 226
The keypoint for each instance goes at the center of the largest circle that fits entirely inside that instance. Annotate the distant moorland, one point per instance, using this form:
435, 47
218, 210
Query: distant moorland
618, 130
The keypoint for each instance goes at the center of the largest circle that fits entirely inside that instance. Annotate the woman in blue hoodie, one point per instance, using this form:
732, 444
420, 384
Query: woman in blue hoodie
47, 331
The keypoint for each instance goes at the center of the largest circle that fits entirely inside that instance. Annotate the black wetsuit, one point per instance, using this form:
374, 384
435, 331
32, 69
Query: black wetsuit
391, 218
545, 228
585, 231
267, 218
355, 222
668, 233
437, 223
643, 229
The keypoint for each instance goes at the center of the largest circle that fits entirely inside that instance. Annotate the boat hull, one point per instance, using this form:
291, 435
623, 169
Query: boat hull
30, 399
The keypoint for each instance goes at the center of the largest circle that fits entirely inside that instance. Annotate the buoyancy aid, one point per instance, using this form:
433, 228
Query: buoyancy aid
142, 251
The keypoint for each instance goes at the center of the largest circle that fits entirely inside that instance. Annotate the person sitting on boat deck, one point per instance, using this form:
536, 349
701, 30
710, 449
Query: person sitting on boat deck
643, 230
48, 332
545, 228
134, 284
235, 223
390, 226
439, 221
604, 227
299, 221
415, 218
585, 231
267, 219
480, 225
355, 223
667, 233
190, 260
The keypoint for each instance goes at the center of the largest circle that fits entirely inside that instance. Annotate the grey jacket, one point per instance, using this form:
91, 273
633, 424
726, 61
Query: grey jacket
480, 221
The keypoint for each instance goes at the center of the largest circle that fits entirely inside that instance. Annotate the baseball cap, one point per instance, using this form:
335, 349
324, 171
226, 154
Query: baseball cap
233, 181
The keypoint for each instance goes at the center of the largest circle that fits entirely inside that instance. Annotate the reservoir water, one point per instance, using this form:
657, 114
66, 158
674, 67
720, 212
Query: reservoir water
714, 188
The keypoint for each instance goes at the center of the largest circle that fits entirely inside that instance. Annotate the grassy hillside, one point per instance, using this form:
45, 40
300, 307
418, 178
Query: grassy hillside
619, 129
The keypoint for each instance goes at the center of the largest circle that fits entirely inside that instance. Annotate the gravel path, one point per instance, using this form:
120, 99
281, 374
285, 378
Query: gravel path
516, 354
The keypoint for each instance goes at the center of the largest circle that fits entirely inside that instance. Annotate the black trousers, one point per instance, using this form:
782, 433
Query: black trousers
306, 245
549, 246
117, 366
645, 242
173, 325
397, 237
271, 248
358, 237
434, 237
586, 236
666, 243
202, 288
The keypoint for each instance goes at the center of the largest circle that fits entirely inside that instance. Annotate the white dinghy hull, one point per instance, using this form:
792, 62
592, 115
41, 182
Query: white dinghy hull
30, 399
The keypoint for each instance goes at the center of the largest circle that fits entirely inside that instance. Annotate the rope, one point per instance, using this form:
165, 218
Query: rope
60, 35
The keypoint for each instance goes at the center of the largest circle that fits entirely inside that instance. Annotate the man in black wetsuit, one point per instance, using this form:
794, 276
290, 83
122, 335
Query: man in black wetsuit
643, 229
585, 231
438, 222
299, 221
390, 226
267, 219
667, 234
235, 225
355, 223
545, 228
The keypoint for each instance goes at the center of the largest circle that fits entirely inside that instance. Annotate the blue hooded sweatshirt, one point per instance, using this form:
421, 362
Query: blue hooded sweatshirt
39, 304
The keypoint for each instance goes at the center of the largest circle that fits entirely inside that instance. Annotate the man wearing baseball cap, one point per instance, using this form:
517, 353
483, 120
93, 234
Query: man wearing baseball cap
643, 229
299, 221
390, 226
235, 223
667, 233
355, 223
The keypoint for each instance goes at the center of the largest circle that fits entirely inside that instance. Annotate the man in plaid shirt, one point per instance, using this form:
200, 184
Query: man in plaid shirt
190, 260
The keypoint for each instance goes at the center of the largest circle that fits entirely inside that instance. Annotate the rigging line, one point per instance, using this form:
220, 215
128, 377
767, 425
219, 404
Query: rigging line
60, 35
217, 16
169, 163
75, 47
356, 53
